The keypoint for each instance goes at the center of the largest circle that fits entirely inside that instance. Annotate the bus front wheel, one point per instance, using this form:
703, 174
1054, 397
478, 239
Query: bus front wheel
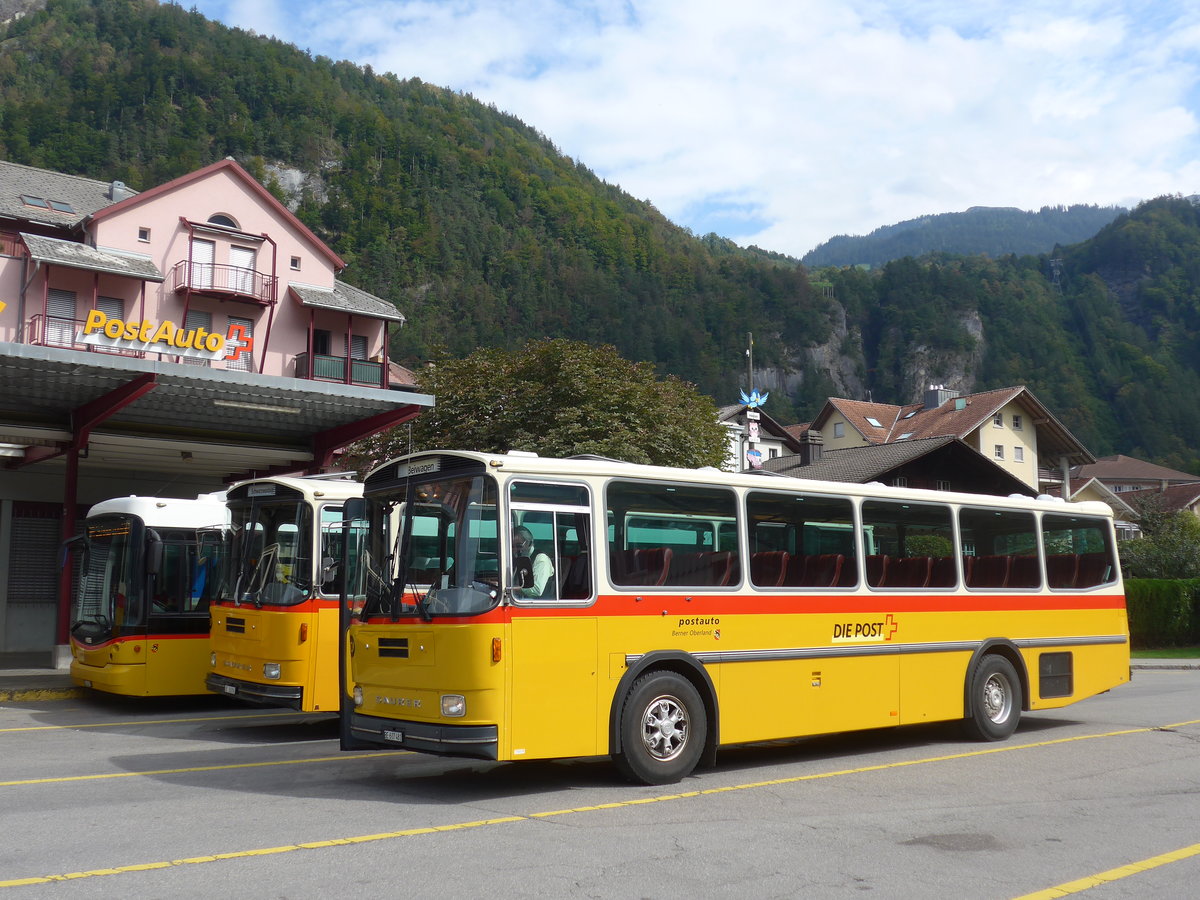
663, 729
995, 698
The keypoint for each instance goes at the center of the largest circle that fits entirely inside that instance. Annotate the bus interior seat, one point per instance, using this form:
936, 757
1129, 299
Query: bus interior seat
1094, 569
909, 571
643, 566
768, 568
1024, 573
877, 569
794, 576
576, 583
1061, 569
823, 570
988, 571
942, 573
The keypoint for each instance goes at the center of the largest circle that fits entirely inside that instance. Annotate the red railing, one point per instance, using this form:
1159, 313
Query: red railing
56, 331
230, 281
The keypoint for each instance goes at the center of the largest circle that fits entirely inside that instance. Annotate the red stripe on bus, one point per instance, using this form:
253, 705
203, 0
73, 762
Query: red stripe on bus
663, 605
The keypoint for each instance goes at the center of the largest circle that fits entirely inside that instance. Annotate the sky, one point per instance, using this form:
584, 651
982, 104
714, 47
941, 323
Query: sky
782, 123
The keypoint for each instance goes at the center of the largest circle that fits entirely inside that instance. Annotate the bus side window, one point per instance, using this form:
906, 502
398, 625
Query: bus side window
558, 563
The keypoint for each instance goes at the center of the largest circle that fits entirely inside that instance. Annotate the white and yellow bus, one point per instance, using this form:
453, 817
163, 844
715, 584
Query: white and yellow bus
274, 638
691, 610
139, 621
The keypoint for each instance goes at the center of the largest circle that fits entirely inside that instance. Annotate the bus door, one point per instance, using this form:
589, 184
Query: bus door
177, 584
553, 661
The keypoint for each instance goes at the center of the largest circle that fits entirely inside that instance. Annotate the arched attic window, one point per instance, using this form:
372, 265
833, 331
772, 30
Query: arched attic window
222, 220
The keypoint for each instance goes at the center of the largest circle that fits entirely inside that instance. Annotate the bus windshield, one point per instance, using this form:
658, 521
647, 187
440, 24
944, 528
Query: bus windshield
433, 549
109, 594
270, 558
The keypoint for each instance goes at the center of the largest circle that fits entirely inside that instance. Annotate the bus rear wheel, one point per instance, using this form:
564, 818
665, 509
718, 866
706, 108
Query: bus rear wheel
995, 700
663, 729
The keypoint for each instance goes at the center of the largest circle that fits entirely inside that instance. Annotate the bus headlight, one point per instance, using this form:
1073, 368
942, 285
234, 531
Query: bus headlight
212, 659
454, 705
271, 671
358, 695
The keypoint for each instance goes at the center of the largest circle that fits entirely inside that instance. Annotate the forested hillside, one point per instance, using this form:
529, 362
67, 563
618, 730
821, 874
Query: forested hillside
992, 231
483, 234
467, 219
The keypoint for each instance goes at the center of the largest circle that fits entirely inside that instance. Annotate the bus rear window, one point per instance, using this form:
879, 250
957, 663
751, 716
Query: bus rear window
1079, 553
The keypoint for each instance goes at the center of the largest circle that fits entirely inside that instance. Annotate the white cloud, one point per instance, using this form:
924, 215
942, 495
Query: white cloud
785, 124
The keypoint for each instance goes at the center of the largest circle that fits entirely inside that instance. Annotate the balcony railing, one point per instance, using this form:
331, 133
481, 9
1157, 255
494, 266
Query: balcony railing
10, 244
339, 368
228, 281
56, 331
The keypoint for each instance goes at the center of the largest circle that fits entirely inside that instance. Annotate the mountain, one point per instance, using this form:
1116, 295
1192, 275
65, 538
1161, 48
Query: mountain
992, 231
484, 234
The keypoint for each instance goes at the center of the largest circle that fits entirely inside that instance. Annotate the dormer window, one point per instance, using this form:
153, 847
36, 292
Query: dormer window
222, 220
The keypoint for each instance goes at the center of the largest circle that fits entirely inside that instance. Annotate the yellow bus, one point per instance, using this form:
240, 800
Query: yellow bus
148, 569
694, 609
274, 638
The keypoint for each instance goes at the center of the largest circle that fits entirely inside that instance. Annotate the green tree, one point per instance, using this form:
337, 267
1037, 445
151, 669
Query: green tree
559, 398
1169, 546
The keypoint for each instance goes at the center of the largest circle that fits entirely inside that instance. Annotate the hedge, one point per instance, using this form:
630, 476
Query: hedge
1163, 612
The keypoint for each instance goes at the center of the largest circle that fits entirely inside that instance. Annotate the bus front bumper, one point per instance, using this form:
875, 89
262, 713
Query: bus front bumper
291, 696
475, 741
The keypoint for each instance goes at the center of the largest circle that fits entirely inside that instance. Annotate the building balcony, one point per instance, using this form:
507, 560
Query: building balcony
56, 331
10, 244
225, 282
341, 369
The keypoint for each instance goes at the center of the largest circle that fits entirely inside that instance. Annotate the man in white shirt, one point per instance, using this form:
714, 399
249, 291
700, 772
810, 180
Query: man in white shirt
534, 570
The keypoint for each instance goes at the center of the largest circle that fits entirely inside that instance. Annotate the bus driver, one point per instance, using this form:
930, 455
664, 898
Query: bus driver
532, 570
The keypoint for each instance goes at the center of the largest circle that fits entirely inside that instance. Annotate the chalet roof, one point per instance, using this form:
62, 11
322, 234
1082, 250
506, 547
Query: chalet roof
85, 196
74, 255
231, 166
860, 465
346, 298
1175, 497
957, 417
1128, 468
1109, 496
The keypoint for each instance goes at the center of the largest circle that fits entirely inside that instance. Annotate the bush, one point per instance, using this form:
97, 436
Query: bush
1162, 612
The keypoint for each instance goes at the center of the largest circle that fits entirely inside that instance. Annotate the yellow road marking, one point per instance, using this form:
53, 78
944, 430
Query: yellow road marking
1091, 881
620, 804
250, 765
154, 722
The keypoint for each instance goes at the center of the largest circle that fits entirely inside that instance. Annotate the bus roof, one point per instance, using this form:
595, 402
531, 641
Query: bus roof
530, 464
317, 487
206, 511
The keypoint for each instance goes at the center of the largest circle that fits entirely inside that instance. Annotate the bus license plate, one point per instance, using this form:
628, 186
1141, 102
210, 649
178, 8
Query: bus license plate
230, 688
397, 736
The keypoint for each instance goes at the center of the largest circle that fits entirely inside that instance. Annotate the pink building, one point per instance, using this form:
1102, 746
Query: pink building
166, 343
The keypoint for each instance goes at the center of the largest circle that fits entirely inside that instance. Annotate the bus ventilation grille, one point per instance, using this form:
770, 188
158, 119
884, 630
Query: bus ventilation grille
394, 647
237, 626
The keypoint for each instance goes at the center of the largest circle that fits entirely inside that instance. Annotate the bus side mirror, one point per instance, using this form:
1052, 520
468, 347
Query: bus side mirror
354, 508
154, 552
